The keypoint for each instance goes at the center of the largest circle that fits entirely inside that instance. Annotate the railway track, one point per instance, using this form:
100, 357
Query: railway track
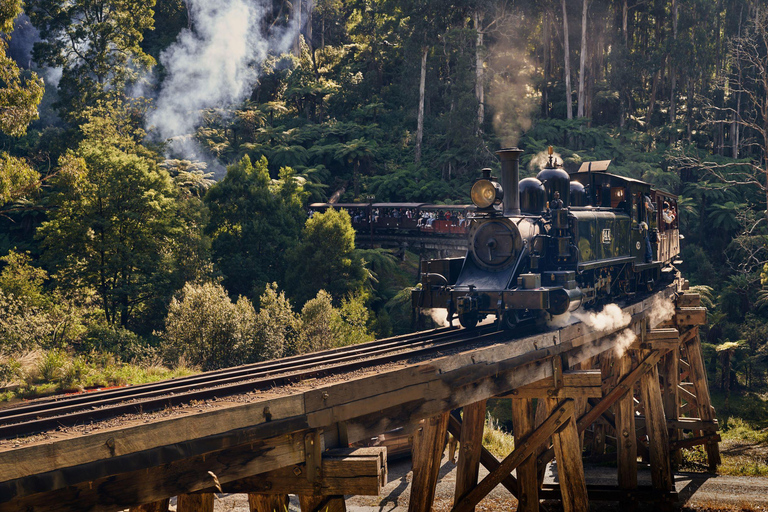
74, 410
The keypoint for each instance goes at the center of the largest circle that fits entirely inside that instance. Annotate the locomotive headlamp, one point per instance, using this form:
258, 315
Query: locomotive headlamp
486, 193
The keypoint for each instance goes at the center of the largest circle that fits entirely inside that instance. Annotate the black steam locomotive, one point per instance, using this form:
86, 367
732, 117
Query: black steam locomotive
553, 243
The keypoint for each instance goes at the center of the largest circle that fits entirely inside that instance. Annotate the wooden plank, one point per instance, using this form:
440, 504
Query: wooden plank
695, 441
471, 439
194, 502
689, 300
570, 469
267, 502
313, 452
310, 503
575, 384
685, 424
157, 506
487, 459
523, 424
216, 430
685, 317
626, 439
656, 427
428, 445
158, 482
355, 475
523, 449
699, 378
662, 334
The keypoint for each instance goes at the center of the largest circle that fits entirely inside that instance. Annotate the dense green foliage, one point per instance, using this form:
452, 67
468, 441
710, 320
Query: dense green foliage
114, 244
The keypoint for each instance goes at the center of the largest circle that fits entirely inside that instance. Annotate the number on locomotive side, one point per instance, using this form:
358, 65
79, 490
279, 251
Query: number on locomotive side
606, 236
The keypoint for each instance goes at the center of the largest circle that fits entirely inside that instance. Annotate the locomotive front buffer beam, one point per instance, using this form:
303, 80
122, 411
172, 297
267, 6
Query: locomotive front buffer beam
556, 300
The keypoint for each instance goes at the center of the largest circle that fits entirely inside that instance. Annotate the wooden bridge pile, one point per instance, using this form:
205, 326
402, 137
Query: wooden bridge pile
638, 390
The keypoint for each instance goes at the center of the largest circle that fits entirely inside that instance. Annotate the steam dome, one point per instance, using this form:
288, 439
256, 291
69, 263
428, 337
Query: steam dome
533, 196
556, 180
578, 194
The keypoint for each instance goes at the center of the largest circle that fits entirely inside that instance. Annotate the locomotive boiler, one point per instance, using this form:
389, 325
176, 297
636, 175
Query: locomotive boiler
550, 244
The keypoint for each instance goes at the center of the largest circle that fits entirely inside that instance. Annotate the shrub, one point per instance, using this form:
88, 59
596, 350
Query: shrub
206, 328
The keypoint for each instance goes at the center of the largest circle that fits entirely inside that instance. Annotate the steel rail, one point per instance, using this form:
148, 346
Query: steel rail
274, 365
62, 414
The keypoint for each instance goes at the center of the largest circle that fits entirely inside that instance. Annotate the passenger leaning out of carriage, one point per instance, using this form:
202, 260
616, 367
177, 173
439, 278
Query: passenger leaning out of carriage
668, 214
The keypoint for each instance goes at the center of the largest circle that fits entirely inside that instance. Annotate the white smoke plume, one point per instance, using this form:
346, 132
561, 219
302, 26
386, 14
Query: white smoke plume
438, 315
623, 340
611, 318
540, 159
662, 309
213, 64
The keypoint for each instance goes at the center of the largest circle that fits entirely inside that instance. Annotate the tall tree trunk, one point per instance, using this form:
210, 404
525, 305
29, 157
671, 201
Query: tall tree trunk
297, 18
625, 21
583, 59
309, 25
420, 120
673, 71
479, 74
567, 46
547, 65
689, 109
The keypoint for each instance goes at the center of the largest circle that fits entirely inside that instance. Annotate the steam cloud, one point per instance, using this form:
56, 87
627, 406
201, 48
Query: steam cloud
212, 65
662, 309
510, 92
541, 158
611, 318
438, 315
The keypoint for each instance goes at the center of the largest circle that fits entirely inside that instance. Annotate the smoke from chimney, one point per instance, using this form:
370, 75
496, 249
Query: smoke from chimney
214, 64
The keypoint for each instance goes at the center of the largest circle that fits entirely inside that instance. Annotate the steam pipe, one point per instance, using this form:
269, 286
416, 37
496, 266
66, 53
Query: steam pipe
510, 179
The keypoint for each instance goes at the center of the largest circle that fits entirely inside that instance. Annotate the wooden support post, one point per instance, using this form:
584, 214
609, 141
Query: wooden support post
626, 439
267, 502
656, 427
428, 444
570, 469
471, 440
487, 459
522, 422
699, 379
202, 502
158, 506
310, 503
671, 374
524, 448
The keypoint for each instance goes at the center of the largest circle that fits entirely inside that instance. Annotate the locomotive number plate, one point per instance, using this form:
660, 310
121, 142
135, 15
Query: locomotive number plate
606, 236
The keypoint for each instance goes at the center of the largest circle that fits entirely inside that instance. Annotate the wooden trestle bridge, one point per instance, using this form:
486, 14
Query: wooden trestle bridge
286, 427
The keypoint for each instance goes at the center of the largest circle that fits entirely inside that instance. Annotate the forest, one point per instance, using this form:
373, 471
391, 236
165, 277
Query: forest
157, 158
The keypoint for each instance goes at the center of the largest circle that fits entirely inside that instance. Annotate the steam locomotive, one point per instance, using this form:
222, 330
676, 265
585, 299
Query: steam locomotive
553, 243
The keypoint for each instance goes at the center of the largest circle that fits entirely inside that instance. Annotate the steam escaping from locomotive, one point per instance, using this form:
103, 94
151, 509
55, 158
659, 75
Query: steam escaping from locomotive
611, 318
213, 64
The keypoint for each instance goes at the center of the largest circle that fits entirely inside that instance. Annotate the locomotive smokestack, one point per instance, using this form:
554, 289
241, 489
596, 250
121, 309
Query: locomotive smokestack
510, 179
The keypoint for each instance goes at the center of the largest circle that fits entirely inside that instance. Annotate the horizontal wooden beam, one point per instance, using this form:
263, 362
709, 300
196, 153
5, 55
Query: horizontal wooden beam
642, 494
694, 441
684, 424
688, 300
575, 384
134, 488
685, 317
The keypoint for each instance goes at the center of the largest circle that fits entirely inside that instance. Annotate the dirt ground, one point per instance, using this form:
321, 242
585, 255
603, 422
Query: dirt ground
698, 491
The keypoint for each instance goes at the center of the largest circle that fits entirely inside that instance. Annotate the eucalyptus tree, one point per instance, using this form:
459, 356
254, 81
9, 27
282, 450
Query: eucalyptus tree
96, 43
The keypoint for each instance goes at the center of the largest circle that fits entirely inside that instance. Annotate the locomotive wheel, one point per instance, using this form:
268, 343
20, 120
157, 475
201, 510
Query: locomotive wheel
469, 320
509, 320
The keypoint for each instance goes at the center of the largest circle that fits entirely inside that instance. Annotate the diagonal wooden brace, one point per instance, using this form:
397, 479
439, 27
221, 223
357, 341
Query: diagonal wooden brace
522, 451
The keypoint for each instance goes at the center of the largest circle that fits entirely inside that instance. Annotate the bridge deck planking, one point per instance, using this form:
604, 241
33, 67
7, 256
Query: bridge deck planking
370, 404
